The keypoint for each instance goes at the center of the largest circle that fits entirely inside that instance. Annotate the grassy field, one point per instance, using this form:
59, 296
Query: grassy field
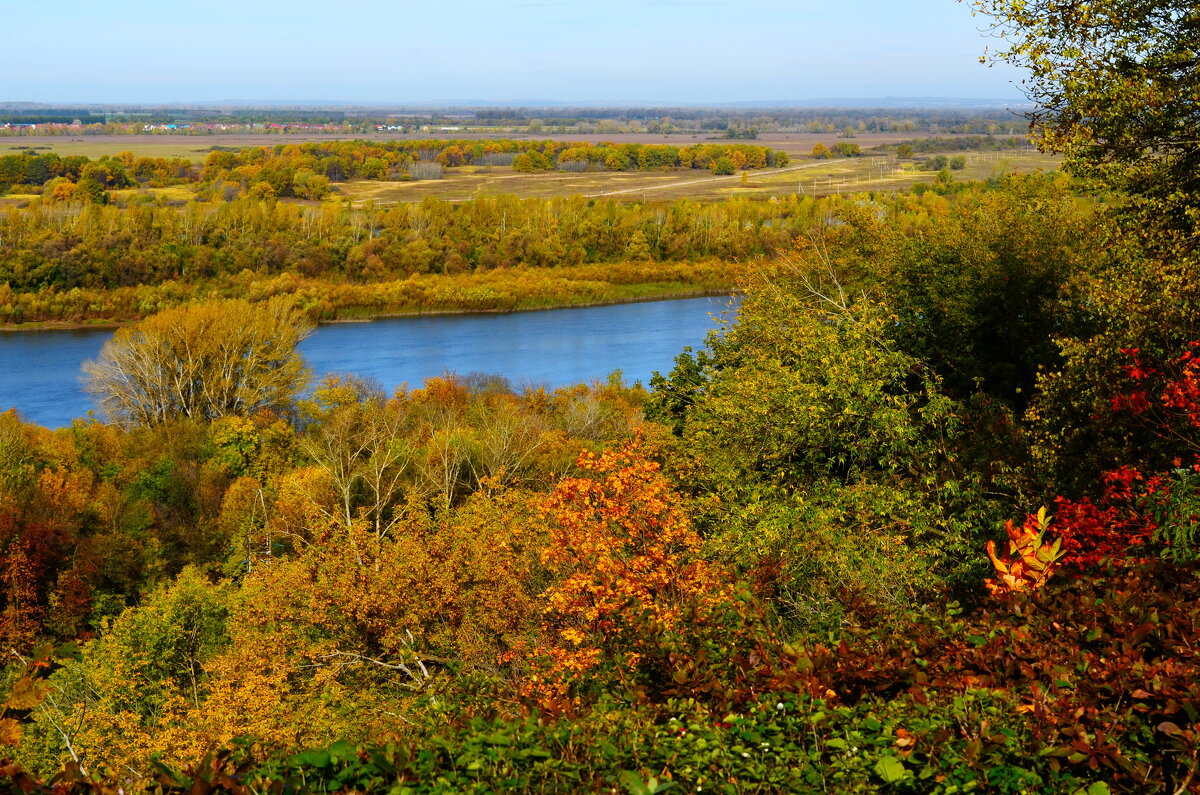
811, 177
804, 175
192, 148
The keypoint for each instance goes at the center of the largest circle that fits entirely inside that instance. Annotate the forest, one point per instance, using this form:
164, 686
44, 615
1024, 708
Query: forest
923, 517
74, 262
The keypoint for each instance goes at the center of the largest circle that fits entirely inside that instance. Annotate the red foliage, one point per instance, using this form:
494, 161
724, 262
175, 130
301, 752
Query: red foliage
38, 534
1166, 398
1104, 668
1183, 392
1114, 528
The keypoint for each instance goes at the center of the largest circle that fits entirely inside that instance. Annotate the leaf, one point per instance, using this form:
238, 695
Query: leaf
891, 769
27, 693
316, 758
10, 732
632, 782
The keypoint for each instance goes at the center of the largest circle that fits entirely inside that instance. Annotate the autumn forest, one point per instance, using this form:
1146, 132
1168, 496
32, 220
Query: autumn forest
922, 517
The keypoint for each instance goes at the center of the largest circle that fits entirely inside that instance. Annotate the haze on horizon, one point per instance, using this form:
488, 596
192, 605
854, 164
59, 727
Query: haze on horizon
654, 52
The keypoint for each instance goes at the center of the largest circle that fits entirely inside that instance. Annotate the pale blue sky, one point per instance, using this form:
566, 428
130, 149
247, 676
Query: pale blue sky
396, 51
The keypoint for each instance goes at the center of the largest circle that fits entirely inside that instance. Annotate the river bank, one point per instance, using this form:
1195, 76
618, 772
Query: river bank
497, 291
112, 325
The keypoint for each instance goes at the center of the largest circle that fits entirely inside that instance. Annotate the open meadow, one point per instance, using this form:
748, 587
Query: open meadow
804, 175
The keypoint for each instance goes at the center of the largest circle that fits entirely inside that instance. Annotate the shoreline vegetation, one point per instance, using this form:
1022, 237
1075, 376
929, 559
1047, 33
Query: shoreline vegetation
322, 301
68, 264
384, 315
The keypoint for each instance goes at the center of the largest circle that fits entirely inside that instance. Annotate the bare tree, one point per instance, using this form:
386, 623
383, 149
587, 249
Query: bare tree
201, 362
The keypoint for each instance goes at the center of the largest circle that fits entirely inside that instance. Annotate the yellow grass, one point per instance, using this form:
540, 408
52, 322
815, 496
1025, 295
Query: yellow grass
810, 177
172, 193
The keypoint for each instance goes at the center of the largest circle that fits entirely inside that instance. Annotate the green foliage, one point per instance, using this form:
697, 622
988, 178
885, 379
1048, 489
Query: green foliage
806, 385
980, 294
968, 742
120, 693
673, 395
835, 454
859, 420
1115, 86
723, 167
1176, 514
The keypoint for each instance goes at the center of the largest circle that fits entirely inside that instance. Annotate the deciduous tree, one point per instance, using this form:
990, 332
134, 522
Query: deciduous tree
1116, 84
201, 362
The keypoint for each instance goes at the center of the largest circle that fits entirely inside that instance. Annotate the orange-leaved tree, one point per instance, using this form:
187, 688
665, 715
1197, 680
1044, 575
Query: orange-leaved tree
633, 607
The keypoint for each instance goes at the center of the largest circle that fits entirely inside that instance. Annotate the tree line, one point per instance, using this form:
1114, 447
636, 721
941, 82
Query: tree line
62, 247
589, 121
71, 261
26, 170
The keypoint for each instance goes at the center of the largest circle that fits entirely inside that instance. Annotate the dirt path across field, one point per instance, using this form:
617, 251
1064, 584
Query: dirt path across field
758, 174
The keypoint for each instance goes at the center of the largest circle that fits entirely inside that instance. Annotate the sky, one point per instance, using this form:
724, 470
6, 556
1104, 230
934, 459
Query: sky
398, 51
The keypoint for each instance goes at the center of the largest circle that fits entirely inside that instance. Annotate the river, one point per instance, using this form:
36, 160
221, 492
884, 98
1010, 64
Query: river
40, 370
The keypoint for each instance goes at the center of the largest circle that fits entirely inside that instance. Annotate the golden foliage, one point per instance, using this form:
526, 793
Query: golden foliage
622, 550
344, 639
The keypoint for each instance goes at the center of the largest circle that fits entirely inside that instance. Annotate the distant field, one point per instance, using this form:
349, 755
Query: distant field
804, 175
193, 148
811, 177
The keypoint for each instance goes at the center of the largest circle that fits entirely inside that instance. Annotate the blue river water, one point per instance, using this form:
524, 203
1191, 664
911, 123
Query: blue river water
40, 370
